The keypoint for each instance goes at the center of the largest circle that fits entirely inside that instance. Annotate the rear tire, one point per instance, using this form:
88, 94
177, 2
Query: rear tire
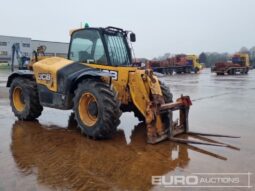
24, 99
96, 109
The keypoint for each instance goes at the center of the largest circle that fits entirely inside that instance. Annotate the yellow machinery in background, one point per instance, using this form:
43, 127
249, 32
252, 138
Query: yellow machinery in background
197, 66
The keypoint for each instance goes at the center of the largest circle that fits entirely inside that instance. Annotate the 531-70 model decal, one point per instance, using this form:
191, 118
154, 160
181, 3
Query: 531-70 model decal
114, 73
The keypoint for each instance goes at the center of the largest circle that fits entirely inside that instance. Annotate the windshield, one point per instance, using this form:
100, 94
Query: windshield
190, 62
238, 60
87, 46
118, 50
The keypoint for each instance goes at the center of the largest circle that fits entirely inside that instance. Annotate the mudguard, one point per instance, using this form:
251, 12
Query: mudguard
69, 77
23, 73
95, 72
88, 74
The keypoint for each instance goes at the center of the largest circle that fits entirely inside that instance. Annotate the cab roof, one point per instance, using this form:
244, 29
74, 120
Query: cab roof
108, 29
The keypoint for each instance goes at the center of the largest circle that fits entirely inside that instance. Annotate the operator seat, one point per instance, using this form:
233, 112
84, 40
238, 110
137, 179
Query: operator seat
84, 56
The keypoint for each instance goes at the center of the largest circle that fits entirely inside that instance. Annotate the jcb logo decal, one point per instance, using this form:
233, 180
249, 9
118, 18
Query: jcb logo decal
44, 76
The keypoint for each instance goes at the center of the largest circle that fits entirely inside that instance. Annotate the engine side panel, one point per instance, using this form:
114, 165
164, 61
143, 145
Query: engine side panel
57, 79
46, 71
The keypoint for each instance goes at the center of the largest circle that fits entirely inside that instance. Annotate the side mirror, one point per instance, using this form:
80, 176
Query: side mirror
132, 37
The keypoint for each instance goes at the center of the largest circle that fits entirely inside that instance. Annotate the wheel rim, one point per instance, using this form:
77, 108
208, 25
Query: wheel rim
88, 109
18, 99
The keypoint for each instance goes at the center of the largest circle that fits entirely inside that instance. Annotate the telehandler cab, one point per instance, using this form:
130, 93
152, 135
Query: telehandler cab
98, 82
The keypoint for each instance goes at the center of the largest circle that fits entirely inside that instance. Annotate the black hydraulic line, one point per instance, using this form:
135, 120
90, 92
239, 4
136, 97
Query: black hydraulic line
36, 55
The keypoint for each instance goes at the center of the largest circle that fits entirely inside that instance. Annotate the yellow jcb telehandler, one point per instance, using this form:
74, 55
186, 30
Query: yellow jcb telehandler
98, 82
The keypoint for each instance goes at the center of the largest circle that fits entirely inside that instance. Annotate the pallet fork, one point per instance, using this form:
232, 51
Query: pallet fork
182, 126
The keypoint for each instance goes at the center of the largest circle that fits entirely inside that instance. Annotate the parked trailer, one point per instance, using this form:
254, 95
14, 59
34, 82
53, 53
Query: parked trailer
169, 70
240, 63
179, 64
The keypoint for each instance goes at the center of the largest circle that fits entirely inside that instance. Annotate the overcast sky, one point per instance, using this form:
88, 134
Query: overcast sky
175, 26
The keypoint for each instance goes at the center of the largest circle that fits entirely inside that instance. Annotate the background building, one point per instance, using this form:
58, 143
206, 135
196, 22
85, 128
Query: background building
27, 46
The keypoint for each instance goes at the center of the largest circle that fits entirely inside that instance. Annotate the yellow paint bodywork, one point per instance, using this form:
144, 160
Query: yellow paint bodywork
50, 66
17, 101
85, 115
132, 84
139, 91
245, 57
195, 61
120, 84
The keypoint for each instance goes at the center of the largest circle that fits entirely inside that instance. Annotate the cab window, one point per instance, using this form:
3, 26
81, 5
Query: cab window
118, 52
99, 56
87, 47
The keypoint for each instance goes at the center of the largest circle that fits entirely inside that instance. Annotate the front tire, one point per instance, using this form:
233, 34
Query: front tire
168, 97
24, 99
96, 109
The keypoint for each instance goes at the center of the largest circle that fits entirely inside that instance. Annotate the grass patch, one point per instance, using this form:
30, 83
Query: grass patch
4, 66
